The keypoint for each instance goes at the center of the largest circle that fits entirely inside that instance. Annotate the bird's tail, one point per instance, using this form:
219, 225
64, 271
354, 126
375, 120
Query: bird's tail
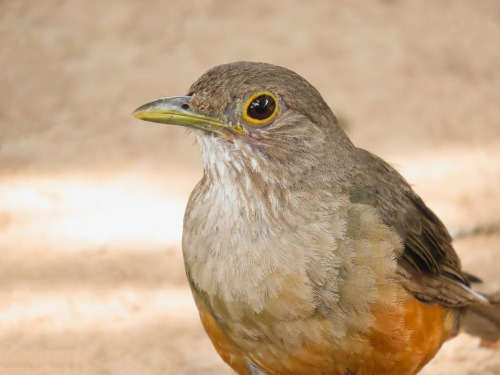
483, 320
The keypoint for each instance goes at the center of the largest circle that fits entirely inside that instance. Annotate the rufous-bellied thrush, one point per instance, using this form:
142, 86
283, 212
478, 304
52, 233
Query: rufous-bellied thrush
305, 254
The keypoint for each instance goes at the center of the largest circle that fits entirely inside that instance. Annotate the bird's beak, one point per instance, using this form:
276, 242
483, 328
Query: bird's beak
177, 110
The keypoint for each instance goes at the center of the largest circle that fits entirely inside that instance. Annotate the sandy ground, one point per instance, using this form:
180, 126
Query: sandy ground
91, 200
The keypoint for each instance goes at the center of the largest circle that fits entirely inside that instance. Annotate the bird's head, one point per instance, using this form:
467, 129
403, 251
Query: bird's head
254, 115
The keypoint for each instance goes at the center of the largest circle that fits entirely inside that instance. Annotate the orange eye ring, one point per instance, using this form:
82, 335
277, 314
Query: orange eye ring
260, 108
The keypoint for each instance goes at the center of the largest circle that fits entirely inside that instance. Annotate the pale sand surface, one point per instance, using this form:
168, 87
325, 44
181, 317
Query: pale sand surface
91, 200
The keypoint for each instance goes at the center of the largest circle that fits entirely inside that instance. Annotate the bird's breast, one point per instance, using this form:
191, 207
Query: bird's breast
292, 273
249, 245
288, 254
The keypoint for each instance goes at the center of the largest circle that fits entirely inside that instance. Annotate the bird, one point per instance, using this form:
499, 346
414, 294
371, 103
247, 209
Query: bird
304, 253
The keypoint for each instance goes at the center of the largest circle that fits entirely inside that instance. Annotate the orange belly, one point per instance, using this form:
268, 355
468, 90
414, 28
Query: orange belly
406, 349
401, 342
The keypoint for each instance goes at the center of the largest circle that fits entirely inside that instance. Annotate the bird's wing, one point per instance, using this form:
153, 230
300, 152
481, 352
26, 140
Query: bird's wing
429, 266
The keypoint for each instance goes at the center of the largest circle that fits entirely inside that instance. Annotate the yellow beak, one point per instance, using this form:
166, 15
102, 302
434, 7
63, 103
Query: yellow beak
177, 110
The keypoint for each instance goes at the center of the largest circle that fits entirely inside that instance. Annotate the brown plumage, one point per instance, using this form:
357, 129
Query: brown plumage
305, 254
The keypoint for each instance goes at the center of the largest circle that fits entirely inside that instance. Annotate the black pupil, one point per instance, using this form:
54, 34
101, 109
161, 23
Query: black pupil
261, 107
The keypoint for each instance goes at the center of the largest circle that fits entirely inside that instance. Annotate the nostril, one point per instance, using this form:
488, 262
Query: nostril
185, 106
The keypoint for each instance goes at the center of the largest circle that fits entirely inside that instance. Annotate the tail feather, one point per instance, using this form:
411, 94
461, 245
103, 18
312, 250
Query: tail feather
483, 320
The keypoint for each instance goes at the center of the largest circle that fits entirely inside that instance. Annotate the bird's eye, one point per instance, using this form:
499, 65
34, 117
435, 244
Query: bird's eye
260, 108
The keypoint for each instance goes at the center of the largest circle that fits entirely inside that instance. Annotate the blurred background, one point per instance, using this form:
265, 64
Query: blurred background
91, 199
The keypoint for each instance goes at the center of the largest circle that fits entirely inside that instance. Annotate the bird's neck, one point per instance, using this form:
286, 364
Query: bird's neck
237, 184
231, 163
